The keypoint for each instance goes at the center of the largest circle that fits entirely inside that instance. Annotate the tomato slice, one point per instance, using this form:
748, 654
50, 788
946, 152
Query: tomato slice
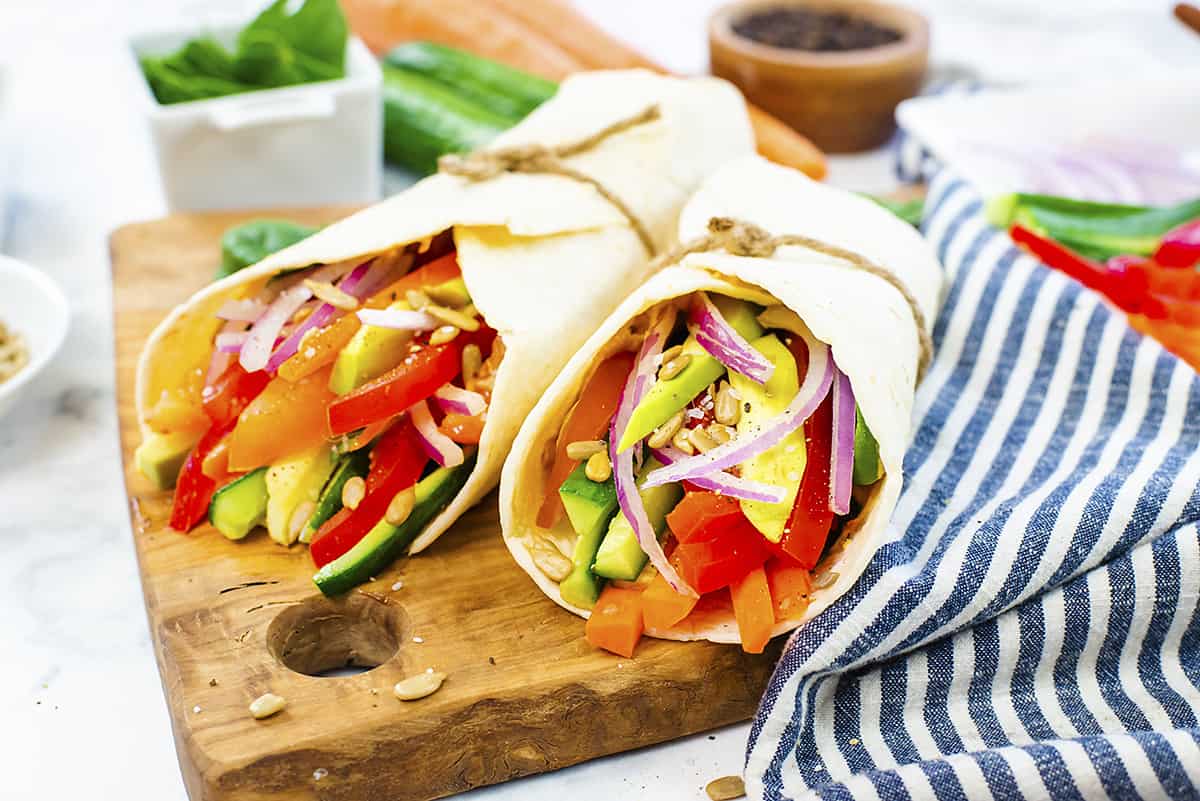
662, 607
588, 420
396, 464
702, 515
790, 587
616, 621
232, 392
753, 610
808, 525
285, 419
708, 565
463, 429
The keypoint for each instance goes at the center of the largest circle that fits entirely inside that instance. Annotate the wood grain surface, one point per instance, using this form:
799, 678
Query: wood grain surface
525, 693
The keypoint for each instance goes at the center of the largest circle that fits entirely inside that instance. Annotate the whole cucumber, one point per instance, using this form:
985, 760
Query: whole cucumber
496, 87
422, 119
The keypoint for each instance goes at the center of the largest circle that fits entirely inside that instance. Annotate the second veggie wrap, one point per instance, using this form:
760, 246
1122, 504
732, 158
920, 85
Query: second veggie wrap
421, 330
753, 408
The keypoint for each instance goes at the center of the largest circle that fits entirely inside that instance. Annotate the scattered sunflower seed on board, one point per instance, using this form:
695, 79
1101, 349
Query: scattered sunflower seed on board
726, 788
266, 705
419, 686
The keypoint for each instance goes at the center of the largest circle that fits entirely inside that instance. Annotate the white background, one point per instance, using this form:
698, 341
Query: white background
81, 710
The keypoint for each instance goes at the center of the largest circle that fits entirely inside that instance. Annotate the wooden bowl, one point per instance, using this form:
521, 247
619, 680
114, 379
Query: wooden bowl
844, 101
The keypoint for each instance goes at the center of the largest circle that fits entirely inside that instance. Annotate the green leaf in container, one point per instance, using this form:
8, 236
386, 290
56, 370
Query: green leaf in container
251, 242
317, 30
276, 49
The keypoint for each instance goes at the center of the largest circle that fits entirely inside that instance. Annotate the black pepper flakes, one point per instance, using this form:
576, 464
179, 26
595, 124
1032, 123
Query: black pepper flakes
794, 28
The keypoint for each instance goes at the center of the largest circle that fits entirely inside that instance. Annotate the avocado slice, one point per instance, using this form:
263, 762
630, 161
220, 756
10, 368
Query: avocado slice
161, 456
450, 293
356, 463
384, 542
370, 353
293, 482
667, 397
867, 467
783, 463
590, 505
620, 556
240, 505
373, 350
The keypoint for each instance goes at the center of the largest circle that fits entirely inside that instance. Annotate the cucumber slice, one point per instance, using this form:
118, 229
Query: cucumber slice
383, 543
240, 505
329, 503
590, 506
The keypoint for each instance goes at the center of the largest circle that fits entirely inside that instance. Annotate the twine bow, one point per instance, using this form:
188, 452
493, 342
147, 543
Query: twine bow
742, 238
483, 165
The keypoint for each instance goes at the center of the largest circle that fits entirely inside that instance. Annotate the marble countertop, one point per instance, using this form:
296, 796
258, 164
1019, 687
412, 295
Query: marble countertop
82, 707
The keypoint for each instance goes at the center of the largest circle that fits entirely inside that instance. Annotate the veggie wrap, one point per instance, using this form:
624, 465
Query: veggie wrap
361, 388
722, 456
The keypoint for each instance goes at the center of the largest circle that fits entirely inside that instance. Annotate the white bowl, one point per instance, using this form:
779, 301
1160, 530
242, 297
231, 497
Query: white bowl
32, 305
306, 145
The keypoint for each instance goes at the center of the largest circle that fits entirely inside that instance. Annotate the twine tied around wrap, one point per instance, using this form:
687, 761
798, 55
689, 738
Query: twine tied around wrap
742, 238
483, 165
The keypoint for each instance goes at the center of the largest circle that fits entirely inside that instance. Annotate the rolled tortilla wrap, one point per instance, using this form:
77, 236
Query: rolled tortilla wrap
867, 324
545, 258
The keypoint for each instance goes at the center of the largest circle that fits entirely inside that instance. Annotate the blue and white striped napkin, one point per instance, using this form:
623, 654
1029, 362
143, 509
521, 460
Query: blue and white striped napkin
1029, 629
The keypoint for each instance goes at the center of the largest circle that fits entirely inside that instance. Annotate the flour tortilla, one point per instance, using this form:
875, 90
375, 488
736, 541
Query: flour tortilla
865, 320
545, 258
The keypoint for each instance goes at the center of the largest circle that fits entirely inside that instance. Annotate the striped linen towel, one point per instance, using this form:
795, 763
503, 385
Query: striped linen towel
1029, 629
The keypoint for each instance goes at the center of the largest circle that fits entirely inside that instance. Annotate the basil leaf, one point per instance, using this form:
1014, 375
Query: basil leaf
275, 49
251, 242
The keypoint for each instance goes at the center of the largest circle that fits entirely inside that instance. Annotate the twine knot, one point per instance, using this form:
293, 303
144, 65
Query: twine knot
741, 238
484, 165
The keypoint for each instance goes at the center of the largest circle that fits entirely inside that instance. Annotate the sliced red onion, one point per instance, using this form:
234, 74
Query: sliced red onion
726, 483
242, 311
459, 400
440, 448
399, 319
231, 341
725, 344
841, 458
220, 359
256, 353
628, 496
812, 391
354, 284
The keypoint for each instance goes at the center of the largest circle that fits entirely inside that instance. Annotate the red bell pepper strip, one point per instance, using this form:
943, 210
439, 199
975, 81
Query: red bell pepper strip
396, 463
194, 489
1094, 275
232, 392
708, 565
1180, 247
702, 515
425, 369
808, 525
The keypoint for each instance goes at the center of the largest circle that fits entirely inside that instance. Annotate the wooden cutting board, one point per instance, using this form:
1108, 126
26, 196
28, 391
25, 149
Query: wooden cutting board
525, 693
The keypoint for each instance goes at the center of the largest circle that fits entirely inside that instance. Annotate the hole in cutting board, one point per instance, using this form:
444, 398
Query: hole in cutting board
329, 637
